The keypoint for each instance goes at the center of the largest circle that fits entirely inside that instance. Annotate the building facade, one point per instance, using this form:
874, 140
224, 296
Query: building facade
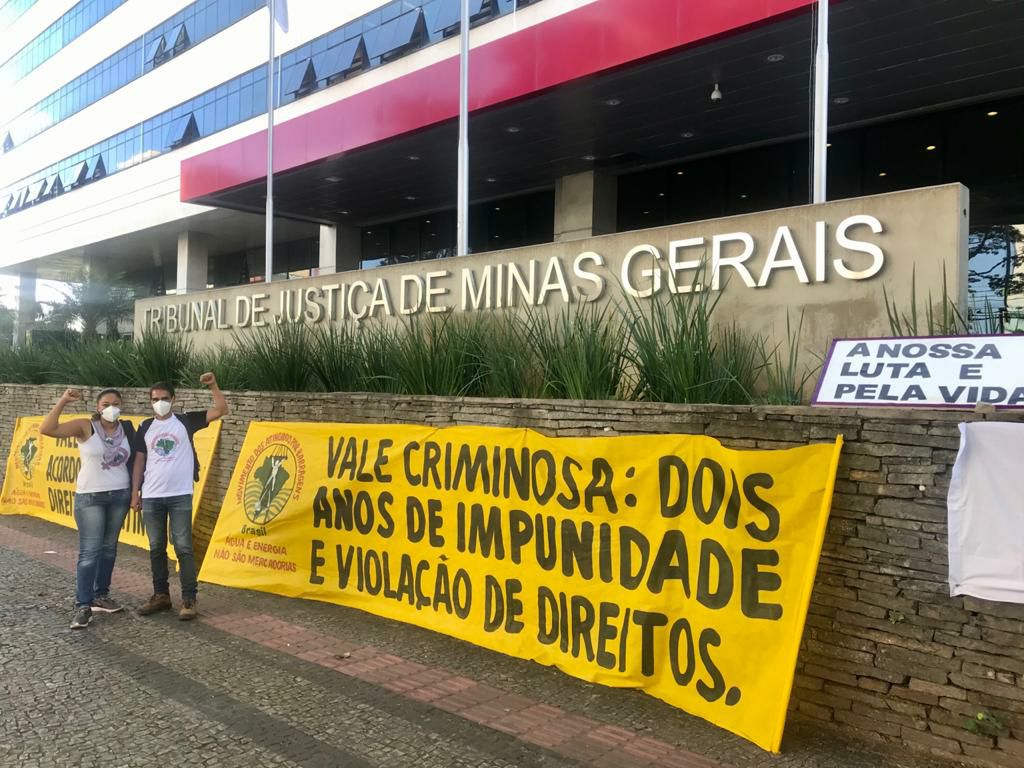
134, 132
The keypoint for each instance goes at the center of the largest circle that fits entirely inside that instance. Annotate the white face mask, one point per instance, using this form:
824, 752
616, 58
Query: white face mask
110, 413
161, 408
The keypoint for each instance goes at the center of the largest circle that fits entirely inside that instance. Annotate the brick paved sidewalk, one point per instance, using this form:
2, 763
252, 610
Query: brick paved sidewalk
263, 680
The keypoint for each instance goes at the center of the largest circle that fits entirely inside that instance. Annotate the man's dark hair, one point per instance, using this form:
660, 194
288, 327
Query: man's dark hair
168, 388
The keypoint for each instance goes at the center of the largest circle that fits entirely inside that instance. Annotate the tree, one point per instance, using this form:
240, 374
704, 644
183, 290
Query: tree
95, 301
1002, 242
8, 318
996, 268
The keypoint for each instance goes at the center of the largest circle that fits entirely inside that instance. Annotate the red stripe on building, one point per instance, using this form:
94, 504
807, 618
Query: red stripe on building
596, 37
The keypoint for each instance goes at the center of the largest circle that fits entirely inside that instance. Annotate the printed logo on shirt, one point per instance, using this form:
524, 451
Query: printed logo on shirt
115, 458
165, 444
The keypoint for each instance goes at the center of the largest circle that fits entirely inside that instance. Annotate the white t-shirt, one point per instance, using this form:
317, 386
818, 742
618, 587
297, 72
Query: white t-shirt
104, 465
169, 460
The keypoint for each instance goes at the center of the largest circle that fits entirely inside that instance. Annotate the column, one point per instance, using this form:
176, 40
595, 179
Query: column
328, 250
26, 308
350, 247
341, 248
193, 262
586, 204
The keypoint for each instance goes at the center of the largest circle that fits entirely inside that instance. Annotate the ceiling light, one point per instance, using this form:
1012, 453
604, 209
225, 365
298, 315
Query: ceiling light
490, 179
883, 173
993, 113
647, 213
343, 213
589, 158
661, 194
612, 102
841, 100
497, 208
687, 134
332, 179
743, 197
828, 145
679, 173
427, 221
414, 157
930, 148
512, 129
410, 197
775, 58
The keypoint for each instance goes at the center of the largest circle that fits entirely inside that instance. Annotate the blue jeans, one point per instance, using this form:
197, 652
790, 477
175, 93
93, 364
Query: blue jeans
155, 514
99, 517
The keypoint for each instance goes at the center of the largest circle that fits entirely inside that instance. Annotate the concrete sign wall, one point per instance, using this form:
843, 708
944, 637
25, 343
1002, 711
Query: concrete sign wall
828, 261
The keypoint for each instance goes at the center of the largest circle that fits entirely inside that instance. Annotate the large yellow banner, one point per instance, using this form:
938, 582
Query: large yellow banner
42, 473
668, 563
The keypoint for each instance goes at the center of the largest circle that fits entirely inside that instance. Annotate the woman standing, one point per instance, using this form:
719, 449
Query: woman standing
101, 496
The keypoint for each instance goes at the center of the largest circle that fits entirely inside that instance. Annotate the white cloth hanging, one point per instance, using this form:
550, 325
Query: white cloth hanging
986, 513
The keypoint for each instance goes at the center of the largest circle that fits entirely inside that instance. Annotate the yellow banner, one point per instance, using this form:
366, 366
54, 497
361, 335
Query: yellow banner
668, 563
42, 473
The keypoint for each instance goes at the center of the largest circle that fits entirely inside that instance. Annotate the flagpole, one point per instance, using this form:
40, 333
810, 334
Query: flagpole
269, 241
462, 212
821, 65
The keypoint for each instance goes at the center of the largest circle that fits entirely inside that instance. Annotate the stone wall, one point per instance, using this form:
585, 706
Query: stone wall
887, 654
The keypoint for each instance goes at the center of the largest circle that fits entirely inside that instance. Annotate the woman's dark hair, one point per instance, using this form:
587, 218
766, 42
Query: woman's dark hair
108, 391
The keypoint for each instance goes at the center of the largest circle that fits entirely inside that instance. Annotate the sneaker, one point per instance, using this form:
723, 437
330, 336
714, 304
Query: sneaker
106, 605
188, 609
83, 615
155, 604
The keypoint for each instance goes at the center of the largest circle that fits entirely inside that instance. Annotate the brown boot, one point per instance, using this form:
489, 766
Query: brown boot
155, 604
188, 609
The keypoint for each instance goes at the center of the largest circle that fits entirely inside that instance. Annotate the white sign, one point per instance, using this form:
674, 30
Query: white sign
986, 514
934, 372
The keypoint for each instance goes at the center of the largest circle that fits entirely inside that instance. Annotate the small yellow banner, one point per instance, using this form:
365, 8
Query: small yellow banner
666, 562
42, 473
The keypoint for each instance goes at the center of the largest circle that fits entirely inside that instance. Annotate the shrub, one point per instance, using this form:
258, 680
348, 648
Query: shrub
678, 358
437, 356
97, 362
276, 358
160, 357
28, 365
581, 353
509, 364
337, 362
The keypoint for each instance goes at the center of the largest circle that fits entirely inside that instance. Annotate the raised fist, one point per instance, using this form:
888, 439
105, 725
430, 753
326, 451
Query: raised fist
70, 395
208, 379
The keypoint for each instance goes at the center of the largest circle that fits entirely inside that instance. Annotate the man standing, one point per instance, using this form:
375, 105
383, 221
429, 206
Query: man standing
165, 468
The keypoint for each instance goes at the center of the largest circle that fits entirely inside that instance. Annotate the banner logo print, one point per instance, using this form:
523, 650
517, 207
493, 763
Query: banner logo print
274, 475
27, 456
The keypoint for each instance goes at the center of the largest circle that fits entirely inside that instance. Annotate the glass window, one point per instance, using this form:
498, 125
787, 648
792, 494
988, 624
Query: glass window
68, 27
12, 10
237, 100
173, 36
